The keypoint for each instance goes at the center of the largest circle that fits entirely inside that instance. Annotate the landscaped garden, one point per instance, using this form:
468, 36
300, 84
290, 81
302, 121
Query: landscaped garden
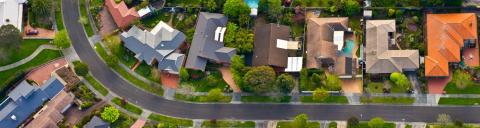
397, 83
86, 96
111, 115
387, 100
170, 121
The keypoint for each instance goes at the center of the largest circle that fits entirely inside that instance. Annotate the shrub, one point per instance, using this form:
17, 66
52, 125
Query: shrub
261, 79
332, 125
110, 114
376, 122
320, 94
352, 122
61, 39
86, 105
80, 68
285, 82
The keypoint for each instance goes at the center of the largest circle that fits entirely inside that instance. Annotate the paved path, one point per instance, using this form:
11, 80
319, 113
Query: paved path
160, 105
29, 58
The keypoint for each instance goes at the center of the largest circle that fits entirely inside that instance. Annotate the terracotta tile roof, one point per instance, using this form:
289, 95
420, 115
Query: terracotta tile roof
121, 14
445, 38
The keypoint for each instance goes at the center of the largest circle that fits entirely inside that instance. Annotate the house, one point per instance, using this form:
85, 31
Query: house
268, 42
325, 45
11, 12
380, 58
96, 122
121, 14
156, 47
207, 44
25, 99
447, 36
52, 113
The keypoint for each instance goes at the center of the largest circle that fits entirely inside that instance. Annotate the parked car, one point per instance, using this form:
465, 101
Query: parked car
32, 32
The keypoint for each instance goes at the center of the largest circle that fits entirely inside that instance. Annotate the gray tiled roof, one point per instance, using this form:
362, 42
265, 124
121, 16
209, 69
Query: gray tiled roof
204, 47
96, 122
157, 44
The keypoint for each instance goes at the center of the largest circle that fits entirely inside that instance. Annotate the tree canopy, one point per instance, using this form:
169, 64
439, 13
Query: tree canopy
376, 122
239, 38
300, 121
274, 9
215, 95
41, 8
110, 114
261, 79
333, 83
80, 68
285, 82
234, 8
400, 80
10, 39
61, 39
320, 94
351, 7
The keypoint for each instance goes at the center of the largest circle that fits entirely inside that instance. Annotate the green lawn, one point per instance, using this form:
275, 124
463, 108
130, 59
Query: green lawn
375, 87
204, 85
387, 100
26, 48
199, 98
128, 106
139, 83
123, 121
228, 124
83, 13
386, 125
285, 124
451, 88
97, 85
171, 120
459, 101
58, 15
44, 57
330, 99
283, 99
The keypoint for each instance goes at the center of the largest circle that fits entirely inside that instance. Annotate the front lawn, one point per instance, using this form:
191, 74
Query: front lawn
171, 120
97, 85
375, 87
263, 99
330, 99
288, 124
192, 98
473, 88
205, 83
123, 121
42, 58
459, 101
26, 48
228, 124
128, 106
387, 100
365, 125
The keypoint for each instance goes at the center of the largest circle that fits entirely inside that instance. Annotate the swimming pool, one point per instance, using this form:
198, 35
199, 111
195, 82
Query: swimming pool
349, 45
252, 3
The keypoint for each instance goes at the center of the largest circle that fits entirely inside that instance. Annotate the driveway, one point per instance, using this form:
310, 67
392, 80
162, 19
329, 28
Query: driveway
160, 105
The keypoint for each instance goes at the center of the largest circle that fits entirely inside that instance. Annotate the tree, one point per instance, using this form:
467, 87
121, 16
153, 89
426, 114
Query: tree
391, 12
287, 18
215, 95
41, 8
238, 69
317, 80
211, 5
61, 39
376, 122
443, 119
10, 39
110, 114
461, 79
241, 39
400, 80
274, 9
261, 79
234, 8
263, 6
285, 83
184, 76
351, 7
300, 121
333, 83
320, 94
80, 68
352, 122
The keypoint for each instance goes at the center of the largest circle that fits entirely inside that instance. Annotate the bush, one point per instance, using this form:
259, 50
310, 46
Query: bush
261, 79
285, 83
86, 105
320, 94
353, 122
332, 125
376, 122
80, 68
110, 114
61, 39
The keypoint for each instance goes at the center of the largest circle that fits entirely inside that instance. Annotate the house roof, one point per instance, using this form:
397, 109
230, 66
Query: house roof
445, 37
379, 59
96, 122
158, 44
11, 12
266, 51
51, 114
320, 40
204, 47
41, 74
24, 100
121, 14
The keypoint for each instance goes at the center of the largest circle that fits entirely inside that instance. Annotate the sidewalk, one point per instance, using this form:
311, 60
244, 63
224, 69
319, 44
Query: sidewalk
29, 58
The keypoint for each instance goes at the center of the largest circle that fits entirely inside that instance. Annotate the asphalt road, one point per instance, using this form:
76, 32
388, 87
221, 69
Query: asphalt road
242, 111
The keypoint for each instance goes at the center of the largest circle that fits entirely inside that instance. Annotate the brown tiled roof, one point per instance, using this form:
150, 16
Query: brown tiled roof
265, 51
445, 38
320, 40
50, 114
121, 14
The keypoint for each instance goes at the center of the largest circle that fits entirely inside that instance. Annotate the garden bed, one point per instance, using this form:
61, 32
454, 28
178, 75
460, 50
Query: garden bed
171, 120
387, 100
191, 98
330, 99
386, 125
85, 95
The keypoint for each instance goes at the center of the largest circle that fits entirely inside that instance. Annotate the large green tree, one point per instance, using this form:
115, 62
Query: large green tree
211, 5
333, 83
320, 94
41, 8
110, 114
274, 9
10, 39
234, 8
400, 80
239, 38
461, 79
300, 121
61, 39
376, 122
285, 83
351, 7
262, 79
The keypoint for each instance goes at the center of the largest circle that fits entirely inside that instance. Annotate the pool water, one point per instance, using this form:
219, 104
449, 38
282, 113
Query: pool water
252, 3
349, 45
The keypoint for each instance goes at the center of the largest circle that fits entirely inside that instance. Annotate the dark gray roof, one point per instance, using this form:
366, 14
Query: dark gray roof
204, 47
24, 100
172, 63
157, 44
96, 122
